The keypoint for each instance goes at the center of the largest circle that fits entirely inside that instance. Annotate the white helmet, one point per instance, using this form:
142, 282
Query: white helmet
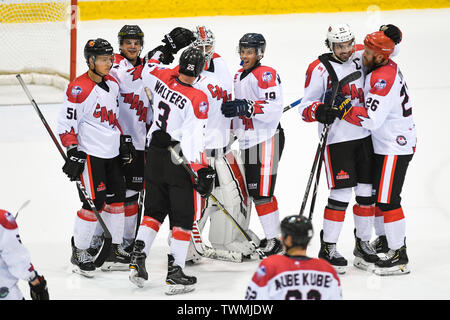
339, 33
204, 38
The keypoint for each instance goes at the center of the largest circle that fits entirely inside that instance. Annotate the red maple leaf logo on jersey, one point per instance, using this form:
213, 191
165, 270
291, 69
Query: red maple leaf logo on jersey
356, 115
258, 107
136, 72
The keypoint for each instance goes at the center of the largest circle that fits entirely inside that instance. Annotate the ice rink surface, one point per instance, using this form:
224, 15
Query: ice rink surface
30, 165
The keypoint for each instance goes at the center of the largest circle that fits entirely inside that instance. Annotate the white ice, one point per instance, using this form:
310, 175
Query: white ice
30, 165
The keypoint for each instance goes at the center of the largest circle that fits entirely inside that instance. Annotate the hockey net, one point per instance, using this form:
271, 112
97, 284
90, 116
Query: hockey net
35, 37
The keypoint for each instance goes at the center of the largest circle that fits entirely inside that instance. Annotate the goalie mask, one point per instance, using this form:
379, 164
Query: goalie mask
204, 41
339, 34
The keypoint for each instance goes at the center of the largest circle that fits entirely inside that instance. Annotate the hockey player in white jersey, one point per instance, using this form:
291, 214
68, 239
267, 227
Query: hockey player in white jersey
96, 153
180, 113
256, 113
135, 118
388, 115
348, 154
293, 275
15, 264
229, 188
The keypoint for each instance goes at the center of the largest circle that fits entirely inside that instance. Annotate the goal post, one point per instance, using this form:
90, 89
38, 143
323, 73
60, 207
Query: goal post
38, 40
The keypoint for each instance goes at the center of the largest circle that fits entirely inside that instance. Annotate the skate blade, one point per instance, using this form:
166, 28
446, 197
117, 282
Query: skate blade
87, 274
139, 282
340, 269
114, 266
392, 271
360, 263
172, 289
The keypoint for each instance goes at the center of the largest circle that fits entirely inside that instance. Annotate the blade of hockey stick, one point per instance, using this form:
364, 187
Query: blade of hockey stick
104, 252
181, 160
21, 207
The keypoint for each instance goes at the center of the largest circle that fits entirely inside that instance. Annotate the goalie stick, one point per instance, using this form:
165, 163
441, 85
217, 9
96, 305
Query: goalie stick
336, 87
104, 252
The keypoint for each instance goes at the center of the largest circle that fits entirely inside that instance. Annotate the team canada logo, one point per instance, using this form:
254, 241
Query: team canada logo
267, 76
380, 84
203, 108
76, 91
401, 140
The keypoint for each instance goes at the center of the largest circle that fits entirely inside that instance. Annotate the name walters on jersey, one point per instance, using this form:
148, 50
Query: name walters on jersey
281, 277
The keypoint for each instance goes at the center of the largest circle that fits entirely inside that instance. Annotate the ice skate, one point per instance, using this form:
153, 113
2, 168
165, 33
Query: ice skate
395, 263
380, 244
118, 259
177, 282
82, 261
365, 254
138, 273
329, 253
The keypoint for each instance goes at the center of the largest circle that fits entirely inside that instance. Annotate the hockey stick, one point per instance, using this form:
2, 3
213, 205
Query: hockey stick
104, 252
21, 207
336, 86
181, 160
140, 208
292, 105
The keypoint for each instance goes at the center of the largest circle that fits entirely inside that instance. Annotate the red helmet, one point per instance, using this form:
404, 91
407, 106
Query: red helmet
380, 43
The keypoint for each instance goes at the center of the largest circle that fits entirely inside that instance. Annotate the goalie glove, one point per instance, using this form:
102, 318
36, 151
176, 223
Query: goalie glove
238, 107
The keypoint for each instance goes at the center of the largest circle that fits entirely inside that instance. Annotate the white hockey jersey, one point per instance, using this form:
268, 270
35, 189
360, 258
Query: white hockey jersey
263, 86
219, 68
89, 117
318, 82
135, 114
387, 112
15, 261
218, 126
280, 277
179, 109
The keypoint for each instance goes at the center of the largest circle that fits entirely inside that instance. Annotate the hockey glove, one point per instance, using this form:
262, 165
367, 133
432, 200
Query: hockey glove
325, 114
164, 57
39, 291
126, 150
178, 38
392, 32
342, 105
238, 107
205, 181
74, 165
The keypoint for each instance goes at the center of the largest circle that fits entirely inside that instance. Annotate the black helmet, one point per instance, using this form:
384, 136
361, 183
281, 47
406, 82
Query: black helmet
97, 47
299, 228
130, 32
253, 40
192, 62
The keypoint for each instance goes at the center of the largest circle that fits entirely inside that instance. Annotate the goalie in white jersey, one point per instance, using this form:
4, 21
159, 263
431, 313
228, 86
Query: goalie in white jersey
293, 275
96, 152
388, 115
15, 264
256, 113
229, 187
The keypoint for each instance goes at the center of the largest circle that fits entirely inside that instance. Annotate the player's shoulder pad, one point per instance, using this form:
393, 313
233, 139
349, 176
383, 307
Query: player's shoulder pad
7, 220
80, 88
315, 65
266, 76
200, 104
267, 269
111, 78
382, 79
324, 266
118, 58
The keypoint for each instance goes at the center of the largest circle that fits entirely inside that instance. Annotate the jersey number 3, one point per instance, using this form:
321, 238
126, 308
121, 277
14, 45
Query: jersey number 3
162, 118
